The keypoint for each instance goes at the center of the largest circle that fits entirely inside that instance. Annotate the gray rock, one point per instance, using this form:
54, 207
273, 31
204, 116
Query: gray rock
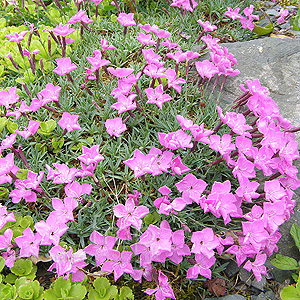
270, 295
272, 12
261, 296
231, 269
229, 297
245, 277
260, 285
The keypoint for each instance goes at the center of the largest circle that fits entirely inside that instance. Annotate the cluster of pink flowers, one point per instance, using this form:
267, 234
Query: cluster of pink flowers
247, 21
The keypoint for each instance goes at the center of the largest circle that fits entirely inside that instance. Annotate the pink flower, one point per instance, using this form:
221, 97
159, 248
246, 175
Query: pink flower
63, 30
207, 26
66, 262
257, 267
178, 56
140, 163
200, 134
204, 242
284, 13
97, 62
120, 72
175, 140
97, 2
64, 66
160, 33
167, 43
6, 164
191, 188
202, 266
222, 145
158, 240
61, 173
125, 103
74, 189
126, 19
91, 155
186, 4
154, 71
130, 214
178, 167
152, 58
100, 247
49, 93
145, 39
32, 128
51, 230
206, 69
5, 217
162, 161
157, 96
9, 98
233, 14
69, 122
105, 46
80, 17
115, 126
163, 289
118, 263
28, 243
24, 187
164, 203
63, 210
5, 239
16, 37
173, 81
211, 43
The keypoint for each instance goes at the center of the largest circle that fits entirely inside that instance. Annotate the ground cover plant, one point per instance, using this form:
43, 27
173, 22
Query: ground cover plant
120, 164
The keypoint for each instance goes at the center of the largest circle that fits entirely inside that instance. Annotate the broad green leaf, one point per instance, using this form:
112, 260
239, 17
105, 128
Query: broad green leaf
11, 126
289, 293
284, 262
125, 293
47, 127
113, 18
22, 267
77, 292
2, 23
2, 263
295, 233
61, 285
263, 30
3, 122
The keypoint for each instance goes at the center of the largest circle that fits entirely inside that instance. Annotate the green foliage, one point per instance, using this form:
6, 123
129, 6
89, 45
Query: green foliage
295, 21
125, 293
24, 268
284, 262
288, 263
103, 290
27, 289
291, 292
47, 127
263, 30
65, 289
7, 292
